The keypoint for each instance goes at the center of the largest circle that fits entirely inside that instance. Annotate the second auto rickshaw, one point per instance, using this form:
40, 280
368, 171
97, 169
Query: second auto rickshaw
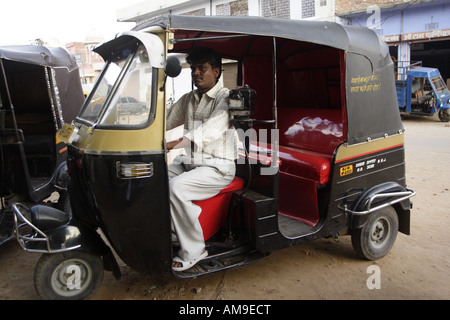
422, 91
40, 90
322, 152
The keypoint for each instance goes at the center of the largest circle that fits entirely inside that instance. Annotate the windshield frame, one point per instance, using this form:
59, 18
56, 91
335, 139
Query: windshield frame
106, 105
437, 79
108, 96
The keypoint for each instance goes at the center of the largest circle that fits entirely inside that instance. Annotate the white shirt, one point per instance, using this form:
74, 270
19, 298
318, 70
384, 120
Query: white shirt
206, 123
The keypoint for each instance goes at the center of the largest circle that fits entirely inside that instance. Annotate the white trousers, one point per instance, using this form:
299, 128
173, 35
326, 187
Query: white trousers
190, 182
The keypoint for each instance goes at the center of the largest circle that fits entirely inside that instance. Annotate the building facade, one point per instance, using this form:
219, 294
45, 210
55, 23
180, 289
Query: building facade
415, 30
89, 62
284, 9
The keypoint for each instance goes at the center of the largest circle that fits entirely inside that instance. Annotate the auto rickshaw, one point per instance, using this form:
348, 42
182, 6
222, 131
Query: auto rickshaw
321, 153
40, 90
422, 91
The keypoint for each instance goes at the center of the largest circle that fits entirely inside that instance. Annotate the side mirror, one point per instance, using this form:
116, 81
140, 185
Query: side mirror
172, 67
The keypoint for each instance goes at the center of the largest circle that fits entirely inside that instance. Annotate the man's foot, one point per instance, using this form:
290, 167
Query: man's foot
180, 265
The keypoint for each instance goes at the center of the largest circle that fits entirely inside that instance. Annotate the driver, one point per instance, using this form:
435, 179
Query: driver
211, 146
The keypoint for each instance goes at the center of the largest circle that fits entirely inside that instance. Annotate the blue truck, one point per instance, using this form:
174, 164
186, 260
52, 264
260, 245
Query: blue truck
422, 91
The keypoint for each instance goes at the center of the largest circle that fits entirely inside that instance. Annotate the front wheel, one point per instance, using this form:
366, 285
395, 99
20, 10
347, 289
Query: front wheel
444, 115
376, 238
71, 275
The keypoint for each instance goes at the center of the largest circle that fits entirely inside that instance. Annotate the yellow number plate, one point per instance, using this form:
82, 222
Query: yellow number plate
346, 170
65, 132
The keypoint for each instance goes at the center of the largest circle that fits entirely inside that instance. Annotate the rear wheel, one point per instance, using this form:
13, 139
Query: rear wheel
376, 238
68, 275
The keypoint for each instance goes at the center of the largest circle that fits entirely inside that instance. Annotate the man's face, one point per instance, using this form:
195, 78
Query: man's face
204, 76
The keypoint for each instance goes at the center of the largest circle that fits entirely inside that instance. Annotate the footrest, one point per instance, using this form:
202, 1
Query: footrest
220, 262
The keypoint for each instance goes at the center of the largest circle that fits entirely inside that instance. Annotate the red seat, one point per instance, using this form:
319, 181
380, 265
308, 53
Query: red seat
307, 164
215, 210
308, 138
310, 165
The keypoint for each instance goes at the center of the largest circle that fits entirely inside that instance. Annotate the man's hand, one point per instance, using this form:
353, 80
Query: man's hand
180, 143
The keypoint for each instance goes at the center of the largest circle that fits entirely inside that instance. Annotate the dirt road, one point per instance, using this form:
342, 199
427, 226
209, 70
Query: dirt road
418, 267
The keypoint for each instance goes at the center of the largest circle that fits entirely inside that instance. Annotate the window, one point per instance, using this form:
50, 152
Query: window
275, 9
439, 84
124, 94
308, 8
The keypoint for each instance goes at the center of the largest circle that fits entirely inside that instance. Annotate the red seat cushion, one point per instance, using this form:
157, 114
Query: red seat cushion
215, 210
306, 164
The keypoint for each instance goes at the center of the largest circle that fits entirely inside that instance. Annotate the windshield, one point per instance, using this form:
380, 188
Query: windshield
123, 93
439, 84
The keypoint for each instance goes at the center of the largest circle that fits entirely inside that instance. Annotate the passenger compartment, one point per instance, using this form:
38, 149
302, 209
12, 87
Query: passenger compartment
310, 117
308, 139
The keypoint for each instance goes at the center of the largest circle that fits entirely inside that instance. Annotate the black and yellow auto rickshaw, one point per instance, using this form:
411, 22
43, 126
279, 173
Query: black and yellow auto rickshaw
322, 152
40, 90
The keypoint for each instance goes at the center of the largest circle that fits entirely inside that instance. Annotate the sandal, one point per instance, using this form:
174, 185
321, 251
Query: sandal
188, 264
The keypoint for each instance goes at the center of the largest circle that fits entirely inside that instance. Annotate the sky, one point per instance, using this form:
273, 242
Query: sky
60, 21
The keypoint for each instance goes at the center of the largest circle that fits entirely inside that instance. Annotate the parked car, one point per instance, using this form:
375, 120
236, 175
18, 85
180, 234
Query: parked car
132, 106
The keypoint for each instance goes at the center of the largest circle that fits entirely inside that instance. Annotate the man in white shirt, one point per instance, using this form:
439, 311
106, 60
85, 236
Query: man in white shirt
211, 144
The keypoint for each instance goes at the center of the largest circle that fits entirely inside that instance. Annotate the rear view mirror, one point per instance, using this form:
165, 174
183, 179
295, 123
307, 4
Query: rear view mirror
172, 67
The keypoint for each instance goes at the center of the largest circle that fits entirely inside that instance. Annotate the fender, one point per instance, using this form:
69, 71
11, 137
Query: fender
55, 231
444, 106
380, 196
85, 238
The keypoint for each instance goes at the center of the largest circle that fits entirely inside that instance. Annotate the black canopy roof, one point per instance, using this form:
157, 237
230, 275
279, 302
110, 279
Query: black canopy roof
372, 113
353, 39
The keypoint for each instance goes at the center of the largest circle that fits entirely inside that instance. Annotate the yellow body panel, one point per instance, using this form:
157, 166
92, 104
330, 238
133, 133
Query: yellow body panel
146, 139
357, 150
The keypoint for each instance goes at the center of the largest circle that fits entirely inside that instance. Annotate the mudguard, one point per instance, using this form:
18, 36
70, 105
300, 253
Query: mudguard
380, 196
86, 239
55, 231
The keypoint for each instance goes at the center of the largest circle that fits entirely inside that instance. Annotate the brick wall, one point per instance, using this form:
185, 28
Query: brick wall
276, 8
347, 6
308, 9
233, 8
198, 12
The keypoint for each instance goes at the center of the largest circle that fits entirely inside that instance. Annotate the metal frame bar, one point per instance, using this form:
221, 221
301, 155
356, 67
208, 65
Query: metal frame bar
404, 195
174, 41
23, 239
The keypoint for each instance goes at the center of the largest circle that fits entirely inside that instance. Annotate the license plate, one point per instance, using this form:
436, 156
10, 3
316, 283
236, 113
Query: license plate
65, 133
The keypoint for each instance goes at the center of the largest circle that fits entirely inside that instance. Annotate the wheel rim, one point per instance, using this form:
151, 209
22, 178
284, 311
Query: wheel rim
71, 277
379, 233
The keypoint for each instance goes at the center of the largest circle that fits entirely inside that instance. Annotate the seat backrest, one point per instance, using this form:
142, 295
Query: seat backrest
317, 130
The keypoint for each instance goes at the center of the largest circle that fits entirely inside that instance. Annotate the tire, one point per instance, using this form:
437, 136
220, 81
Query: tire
56, 275
377, 236
444, 115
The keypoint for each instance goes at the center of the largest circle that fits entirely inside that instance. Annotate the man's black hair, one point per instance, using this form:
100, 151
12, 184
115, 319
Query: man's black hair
204, 54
